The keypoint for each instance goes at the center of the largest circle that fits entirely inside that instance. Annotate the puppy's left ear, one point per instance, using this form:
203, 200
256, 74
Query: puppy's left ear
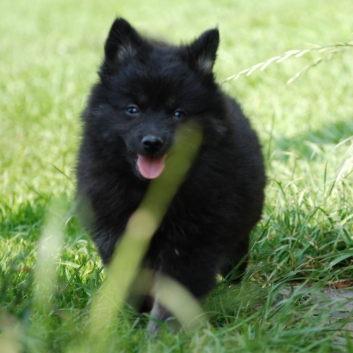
201, 54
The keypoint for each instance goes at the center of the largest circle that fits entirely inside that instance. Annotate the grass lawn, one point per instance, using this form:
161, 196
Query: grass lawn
50, 52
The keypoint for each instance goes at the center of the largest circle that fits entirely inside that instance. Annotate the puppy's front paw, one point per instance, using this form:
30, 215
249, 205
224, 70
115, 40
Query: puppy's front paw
161, 317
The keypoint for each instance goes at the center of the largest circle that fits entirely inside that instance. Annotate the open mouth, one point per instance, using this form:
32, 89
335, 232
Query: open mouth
149, 167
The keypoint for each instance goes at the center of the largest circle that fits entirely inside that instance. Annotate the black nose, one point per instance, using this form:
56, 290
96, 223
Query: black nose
152, 143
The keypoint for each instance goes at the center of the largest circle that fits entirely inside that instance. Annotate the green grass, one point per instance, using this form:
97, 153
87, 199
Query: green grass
49, 54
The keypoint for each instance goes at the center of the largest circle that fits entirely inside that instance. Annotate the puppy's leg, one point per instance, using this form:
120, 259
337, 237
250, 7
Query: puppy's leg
160, 315
196, 274
234, 261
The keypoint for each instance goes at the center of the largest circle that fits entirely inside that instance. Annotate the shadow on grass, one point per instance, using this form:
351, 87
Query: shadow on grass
305, 144
25, 218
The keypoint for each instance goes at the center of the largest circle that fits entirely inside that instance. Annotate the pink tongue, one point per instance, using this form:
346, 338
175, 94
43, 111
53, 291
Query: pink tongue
150, 167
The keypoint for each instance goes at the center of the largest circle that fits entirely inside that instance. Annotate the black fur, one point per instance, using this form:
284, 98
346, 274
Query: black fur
146, 90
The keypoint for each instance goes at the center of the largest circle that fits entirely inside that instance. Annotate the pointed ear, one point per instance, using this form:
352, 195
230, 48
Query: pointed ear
202, 52
122, 44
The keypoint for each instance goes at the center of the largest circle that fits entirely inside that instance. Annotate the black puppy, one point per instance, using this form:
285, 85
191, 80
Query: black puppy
146, 91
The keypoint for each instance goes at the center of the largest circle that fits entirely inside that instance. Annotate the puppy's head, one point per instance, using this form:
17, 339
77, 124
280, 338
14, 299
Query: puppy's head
146, 90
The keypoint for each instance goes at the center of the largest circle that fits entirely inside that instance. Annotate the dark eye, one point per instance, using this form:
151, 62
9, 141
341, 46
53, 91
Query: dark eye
132, 110
178, 114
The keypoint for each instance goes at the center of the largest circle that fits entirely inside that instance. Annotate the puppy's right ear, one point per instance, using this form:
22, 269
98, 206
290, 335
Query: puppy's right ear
122, 44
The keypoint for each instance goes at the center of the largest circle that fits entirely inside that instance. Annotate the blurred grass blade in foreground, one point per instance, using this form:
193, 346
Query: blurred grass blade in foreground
10, 334
45, 273
49, 249
178, 300
142, 225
